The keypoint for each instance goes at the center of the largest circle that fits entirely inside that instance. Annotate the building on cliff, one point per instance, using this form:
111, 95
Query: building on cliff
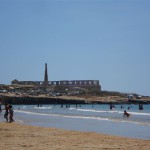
86, 84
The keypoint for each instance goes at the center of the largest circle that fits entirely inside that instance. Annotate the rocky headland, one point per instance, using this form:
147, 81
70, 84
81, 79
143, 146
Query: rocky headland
80, 99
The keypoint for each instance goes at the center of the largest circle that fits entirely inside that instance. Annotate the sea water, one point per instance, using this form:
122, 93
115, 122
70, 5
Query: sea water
92, 118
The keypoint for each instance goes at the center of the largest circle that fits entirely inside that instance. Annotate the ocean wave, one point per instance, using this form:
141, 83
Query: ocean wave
138, 113
109, 111
42, 107
124, 120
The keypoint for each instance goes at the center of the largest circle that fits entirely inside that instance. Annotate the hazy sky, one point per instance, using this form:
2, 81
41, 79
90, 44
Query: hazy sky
105, 40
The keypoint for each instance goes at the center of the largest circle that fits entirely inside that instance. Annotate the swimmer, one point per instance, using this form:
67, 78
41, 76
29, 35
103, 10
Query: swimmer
126, 114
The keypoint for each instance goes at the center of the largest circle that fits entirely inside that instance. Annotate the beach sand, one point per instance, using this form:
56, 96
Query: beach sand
25, 137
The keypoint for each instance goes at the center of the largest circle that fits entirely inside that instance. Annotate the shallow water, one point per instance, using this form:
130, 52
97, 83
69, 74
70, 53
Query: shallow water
93, 118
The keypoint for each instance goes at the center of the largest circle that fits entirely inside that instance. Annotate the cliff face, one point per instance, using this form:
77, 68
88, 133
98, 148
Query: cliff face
40, 100
59, 100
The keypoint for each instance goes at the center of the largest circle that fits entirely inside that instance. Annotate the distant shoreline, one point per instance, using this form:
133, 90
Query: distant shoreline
6, 98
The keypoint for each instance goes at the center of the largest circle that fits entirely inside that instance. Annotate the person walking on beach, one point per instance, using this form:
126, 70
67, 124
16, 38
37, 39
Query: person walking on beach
0, 107
6, 112
11, 113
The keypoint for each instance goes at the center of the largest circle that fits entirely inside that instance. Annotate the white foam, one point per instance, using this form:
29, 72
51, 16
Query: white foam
82, 117
89, 110
42, 107
109, 111
137, 113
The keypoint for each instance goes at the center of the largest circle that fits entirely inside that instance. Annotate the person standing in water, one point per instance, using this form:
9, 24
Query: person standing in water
141, 107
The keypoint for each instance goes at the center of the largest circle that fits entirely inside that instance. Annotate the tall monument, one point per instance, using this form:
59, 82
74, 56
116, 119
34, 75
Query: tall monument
46, 75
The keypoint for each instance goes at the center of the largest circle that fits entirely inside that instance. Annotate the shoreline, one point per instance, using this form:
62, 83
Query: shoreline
42, 99
21, 137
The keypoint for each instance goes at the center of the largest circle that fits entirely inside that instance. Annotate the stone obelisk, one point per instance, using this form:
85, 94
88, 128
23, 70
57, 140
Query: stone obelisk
46, 75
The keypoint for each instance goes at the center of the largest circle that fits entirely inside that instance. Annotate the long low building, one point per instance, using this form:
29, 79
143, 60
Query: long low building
70, 83
87, 84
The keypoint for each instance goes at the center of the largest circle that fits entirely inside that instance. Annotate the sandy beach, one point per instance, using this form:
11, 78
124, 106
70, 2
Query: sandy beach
22, 137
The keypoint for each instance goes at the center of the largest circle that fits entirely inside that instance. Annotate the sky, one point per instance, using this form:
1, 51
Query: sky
105, 40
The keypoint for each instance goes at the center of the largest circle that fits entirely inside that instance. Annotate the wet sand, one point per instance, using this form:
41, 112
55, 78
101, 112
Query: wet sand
24, 137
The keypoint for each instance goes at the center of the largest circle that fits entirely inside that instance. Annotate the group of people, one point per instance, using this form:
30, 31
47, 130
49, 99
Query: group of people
8, 115
125, 114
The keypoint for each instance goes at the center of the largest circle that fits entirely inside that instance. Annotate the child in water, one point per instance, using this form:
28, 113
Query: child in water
126, 114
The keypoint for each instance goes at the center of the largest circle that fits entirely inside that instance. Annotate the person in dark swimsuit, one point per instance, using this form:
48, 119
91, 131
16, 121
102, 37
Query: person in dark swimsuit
126, 114
6, 112
0, 106
11, 113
